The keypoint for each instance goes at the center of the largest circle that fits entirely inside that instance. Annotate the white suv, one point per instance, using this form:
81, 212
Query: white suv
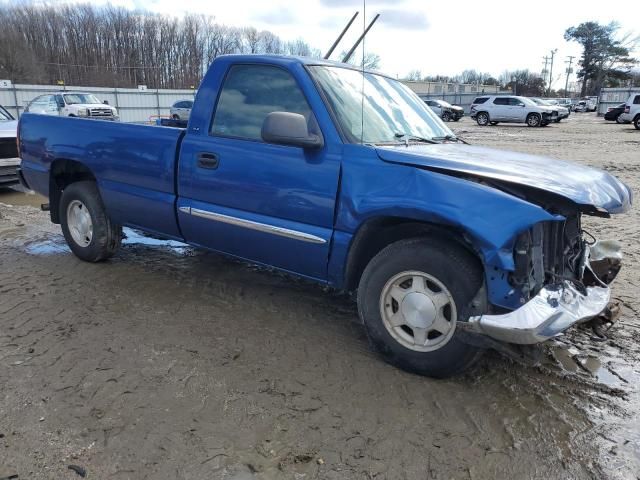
72, 104
493, 109
632, 110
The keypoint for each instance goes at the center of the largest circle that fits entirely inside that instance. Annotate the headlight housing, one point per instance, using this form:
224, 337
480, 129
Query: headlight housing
83, 112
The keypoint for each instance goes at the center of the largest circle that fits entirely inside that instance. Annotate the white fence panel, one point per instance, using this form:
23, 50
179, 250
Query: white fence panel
133, 105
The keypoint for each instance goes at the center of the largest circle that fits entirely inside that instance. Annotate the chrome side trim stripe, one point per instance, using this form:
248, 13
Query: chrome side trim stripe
260, 227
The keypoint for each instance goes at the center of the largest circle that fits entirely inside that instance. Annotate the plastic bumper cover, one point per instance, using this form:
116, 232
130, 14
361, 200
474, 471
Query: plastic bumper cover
556, 307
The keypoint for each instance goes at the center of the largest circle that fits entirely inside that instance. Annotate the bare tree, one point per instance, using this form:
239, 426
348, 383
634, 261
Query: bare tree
88, 45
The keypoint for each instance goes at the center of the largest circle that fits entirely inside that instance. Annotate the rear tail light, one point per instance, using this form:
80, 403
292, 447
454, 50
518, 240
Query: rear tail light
609, 109
627, 109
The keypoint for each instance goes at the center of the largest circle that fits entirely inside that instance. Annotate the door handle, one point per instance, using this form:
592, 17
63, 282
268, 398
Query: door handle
208, 160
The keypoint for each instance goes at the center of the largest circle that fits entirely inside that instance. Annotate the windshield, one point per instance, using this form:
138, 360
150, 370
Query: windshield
539, 101
73, 98
4, 115
389, 107
528, 101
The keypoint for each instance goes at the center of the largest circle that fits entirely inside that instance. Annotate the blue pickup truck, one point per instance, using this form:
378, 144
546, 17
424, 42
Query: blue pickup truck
348, 179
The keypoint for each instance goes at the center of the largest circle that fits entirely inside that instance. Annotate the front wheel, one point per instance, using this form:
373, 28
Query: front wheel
446, 117
410, 298
483, 119
89, 232
534, 120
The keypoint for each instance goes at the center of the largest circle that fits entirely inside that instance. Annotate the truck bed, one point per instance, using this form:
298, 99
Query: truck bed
133, 164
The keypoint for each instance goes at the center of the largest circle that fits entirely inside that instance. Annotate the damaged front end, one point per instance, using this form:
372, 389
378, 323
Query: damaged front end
562, 279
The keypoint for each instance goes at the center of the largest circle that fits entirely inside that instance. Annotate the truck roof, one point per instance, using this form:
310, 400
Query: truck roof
292, 59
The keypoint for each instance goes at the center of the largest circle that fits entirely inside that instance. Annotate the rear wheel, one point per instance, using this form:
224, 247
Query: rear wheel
446, 116
636, 122
410, 298
534, 120
89, 232
483, 119
175, 117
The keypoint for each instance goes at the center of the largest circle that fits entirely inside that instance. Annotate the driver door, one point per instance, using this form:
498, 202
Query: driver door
271, 204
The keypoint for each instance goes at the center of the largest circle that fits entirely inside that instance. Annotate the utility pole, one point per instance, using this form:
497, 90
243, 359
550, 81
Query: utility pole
545, 72
553, 53
569, 72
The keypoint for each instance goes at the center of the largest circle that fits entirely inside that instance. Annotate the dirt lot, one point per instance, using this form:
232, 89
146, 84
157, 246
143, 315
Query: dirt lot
173, 363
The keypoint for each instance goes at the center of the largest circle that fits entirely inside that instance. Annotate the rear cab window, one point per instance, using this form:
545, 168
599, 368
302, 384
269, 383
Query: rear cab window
636, 100
480, 100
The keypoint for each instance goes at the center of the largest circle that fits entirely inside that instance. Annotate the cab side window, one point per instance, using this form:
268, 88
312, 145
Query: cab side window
249, 94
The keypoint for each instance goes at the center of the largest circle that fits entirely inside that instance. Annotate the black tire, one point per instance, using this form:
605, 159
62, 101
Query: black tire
483, 119
106, 235
534, 120
175, 117
446, 117
636, 122
494, 123
455, 268
456, 119
557, 120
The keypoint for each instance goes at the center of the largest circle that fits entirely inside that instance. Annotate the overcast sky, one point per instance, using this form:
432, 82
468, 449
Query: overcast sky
435, 36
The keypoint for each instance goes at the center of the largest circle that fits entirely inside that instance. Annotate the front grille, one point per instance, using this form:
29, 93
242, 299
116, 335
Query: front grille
8, 148
548, 252
100, 112
8, 171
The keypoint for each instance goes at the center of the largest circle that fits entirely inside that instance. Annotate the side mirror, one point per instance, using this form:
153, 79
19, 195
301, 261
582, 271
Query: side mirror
106, 102
286, 128
60, 104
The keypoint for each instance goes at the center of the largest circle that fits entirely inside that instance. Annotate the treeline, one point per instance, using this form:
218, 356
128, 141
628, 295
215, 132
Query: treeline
112, 46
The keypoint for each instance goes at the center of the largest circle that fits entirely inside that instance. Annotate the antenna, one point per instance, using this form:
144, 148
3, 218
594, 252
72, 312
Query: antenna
335, 44
364, 15
348, 55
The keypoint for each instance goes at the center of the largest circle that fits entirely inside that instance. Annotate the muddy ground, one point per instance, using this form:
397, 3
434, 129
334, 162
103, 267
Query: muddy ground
168, 362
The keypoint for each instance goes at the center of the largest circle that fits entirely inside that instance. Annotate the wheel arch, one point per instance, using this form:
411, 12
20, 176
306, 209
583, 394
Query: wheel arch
379, 232
64, 172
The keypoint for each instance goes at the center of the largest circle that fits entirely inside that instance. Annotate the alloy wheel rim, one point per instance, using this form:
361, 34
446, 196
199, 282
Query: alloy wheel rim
418, 311
79, 223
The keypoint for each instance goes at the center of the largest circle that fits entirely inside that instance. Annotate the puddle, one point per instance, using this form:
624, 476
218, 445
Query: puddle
51, 246
16, 195
56, 244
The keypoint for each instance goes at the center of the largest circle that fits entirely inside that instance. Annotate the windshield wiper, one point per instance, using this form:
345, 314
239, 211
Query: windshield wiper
451, 138
414, 138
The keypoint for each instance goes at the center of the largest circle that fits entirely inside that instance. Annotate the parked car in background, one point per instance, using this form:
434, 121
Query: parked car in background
9, 161
445, 110
562, 111
181, 110
451, 247
493, 109
632, 111
72, 104
586, 104
580, 106
614, 114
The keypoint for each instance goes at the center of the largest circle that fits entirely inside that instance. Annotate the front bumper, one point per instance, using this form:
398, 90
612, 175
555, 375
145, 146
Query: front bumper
556, 307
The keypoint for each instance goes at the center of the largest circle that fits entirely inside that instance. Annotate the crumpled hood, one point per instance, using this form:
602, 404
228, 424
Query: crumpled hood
8, 128
588, 187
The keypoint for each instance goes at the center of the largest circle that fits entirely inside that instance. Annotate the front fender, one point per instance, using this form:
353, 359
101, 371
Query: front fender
490, 218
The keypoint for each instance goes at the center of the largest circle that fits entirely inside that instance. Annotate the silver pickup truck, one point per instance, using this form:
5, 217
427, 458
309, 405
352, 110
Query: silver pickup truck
9, 161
